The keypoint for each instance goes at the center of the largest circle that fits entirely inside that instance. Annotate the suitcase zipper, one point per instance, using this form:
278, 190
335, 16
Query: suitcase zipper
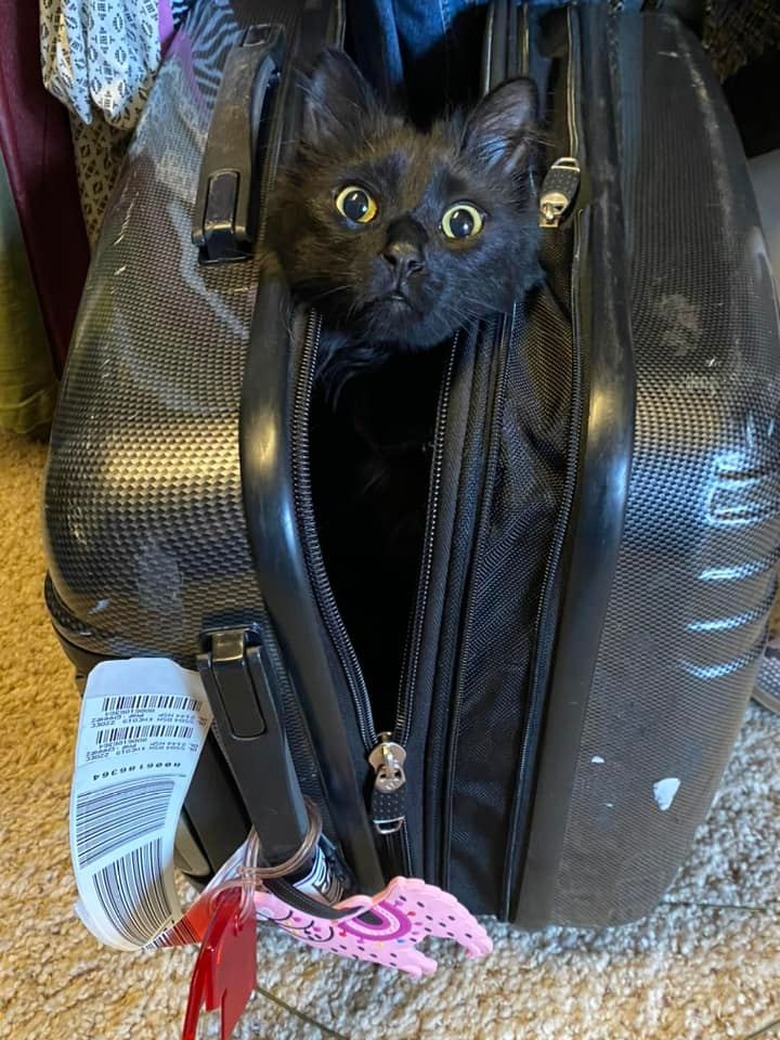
388, 809
385, 751
562, 180
412, 652
544, 630
443, 768
314, 561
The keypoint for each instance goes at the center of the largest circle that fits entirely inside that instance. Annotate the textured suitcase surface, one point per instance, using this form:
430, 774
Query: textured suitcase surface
598, 564
143, 502
655, 713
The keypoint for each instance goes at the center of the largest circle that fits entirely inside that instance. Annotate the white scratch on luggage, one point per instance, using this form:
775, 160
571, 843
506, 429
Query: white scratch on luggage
597, 760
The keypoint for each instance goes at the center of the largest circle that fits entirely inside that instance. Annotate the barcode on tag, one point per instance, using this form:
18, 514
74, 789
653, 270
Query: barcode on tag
143, 724
181, 934
110, 736
132, 893
139, 702
110, 817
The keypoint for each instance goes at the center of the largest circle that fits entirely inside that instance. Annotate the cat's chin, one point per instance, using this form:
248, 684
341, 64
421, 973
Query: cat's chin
394, 312
395, 320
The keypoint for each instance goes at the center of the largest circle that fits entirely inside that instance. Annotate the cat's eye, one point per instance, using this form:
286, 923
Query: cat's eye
356, 204
462, 221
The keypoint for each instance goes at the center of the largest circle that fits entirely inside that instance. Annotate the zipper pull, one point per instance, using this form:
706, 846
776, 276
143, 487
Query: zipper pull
559, 190
388, 801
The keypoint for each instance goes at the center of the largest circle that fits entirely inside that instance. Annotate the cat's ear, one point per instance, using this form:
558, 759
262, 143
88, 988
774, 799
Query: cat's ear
500, 130
336, 95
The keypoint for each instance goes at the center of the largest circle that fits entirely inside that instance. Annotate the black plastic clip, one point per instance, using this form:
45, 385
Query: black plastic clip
253, 740
227, 201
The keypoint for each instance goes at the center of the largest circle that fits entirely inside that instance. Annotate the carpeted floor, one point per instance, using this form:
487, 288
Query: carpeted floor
706, 964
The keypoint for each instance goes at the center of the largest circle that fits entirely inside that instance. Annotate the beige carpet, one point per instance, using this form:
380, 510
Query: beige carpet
705, 965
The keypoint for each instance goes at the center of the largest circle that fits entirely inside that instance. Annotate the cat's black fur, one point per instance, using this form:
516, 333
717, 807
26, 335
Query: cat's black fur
381, 360
484, 158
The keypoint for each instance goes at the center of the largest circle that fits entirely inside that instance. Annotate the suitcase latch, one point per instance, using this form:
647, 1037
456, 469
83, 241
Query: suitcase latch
237, 674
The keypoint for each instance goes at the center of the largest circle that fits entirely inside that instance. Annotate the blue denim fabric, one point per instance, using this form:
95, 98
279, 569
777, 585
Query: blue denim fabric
408, 46
410, 49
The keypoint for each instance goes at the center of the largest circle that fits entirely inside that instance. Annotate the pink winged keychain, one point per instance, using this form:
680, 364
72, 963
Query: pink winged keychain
385, 928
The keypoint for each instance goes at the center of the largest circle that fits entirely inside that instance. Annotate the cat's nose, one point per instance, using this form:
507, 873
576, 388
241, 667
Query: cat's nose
404, 258
404, 247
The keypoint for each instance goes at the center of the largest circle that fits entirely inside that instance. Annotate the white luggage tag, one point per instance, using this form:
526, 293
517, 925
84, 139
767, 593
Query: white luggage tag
142, 727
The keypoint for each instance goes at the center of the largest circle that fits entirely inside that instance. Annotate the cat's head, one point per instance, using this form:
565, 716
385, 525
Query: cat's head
401, 236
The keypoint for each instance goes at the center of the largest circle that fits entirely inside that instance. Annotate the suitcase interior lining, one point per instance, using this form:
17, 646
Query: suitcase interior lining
370, 465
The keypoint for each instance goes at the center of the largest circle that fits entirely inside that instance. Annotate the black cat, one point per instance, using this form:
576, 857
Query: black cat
399, 237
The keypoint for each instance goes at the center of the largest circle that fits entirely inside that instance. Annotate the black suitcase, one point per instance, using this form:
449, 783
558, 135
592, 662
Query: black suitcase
603, 508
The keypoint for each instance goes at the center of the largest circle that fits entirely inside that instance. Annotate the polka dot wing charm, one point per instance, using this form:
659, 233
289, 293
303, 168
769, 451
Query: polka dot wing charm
386, 928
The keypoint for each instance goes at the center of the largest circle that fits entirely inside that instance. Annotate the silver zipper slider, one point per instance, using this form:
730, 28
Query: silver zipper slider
387, 799
559, 190
388, 759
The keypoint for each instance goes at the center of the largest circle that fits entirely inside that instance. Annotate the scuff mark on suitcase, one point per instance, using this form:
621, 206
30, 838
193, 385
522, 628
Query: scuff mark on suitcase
125, 220
665, 791
681, 318
159, 586
597, 760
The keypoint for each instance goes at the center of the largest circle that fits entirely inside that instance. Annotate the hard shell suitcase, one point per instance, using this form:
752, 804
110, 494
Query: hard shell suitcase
602, 499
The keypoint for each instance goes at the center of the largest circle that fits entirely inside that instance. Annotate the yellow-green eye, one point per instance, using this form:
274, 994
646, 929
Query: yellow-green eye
356, 204
462, 221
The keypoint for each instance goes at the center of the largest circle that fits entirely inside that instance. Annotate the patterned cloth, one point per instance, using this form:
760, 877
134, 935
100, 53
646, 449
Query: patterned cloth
99, 149
99, 58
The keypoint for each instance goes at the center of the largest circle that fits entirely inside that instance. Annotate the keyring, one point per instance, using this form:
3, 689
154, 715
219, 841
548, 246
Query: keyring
251, 873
